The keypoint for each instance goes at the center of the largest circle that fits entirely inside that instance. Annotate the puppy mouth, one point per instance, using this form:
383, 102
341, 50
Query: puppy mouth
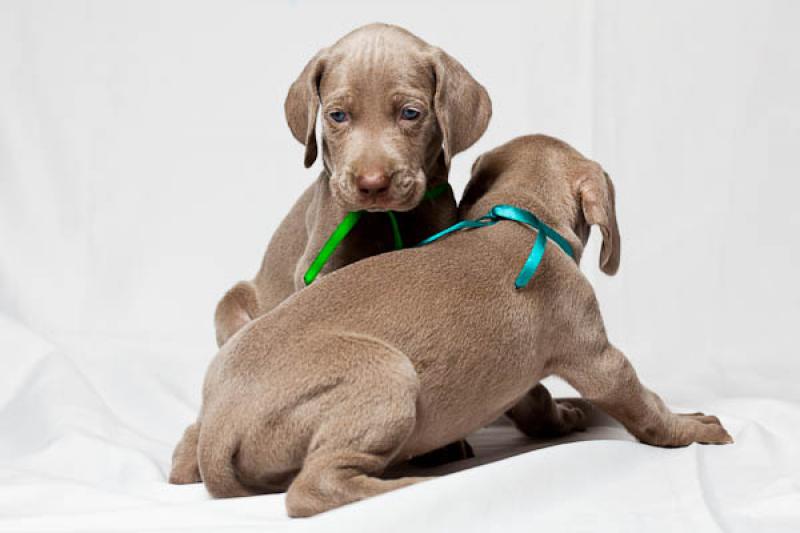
406, 191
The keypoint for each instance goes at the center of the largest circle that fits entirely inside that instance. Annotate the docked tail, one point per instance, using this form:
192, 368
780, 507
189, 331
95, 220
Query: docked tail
236, 309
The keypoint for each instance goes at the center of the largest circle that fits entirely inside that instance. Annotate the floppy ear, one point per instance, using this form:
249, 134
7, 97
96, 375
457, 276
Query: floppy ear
302, 104
461, 104
597, 200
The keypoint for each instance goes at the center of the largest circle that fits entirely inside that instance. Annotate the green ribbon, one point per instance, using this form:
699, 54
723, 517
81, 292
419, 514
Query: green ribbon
516, 214
348, 223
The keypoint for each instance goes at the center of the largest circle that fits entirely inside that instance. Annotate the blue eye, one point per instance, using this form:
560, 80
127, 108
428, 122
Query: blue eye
409, 113
338, 116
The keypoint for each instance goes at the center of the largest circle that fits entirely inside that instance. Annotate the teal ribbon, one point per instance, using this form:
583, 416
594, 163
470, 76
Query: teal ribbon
502, 212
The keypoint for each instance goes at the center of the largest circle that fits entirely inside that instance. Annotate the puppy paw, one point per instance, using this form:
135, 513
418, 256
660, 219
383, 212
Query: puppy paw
685, 429
537, 415
573, 415
702, 428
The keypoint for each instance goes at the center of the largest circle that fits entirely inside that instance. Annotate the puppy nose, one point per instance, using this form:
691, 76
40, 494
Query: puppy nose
373, 183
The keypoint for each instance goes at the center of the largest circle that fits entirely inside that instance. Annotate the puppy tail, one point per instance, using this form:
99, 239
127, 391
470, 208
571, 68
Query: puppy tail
236, 309
216, 453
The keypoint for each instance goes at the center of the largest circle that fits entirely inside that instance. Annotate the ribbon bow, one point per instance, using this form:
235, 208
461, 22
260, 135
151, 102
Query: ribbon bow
516, 214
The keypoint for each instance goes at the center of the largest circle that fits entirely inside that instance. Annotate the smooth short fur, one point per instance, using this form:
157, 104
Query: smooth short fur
402, 353
375, 160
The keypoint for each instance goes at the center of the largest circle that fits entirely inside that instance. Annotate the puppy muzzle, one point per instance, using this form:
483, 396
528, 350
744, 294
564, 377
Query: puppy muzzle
404, 191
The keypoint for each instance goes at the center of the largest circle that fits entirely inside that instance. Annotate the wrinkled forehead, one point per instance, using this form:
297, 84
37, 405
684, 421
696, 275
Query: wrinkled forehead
377, 68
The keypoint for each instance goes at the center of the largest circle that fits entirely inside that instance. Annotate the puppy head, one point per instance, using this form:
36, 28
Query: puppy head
391, 106
537, 172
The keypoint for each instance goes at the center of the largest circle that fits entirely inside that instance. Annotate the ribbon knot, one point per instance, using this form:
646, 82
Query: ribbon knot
515, 214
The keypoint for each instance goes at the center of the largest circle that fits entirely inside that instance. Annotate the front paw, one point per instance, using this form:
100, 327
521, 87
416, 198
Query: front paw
688, 428
705, 429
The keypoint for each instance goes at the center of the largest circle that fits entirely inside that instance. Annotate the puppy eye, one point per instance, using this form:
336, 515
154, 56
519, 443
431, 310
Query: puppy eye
338, 116
409, 113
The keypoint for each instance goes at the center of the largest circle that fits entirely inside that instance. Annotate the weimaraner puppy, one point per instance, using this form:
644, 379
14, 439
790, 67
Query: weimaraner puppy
394, 110
401, 353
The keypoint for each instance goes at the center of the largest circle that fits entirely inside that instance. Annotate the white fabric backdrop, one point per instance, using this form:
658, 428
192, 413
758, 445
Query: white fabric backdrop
145, 161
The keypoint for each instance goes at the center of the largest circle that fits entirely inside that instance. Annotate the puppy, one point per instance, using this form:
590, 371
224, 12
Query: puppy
394, 111
402, 353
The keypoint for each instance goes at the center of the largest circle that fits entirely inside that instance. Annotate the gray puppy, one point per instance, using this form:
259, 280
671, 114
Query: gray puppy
402, 353
394, 111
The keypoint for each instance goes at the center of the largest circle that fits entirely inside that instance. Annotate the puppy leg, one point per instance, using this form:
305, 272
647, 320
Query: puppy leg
366, 424
332, 479
238, 307
537, 414
184, 458
608, 380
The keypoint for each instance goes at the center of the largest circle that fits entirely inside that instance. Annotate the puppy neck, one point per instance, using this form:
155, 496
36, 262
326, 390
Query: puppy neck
436, 170
559, 217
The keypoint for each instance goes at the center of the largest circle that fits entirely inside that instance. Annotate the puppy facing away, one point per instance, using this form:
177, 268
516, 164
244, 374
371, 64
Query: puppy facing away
394, 111
401, 353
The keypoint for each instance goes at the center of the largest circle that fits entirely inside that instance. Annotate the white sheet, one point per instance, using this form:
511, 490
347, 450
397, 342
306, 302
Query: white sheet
144, 162
84, 450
